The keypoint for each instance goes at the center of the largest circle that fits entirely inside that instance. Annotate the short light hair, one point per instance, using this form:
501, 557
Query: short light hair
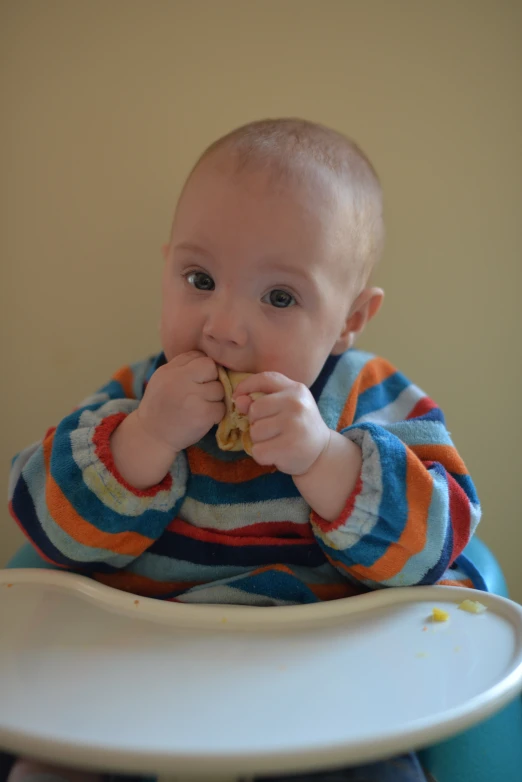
289, 146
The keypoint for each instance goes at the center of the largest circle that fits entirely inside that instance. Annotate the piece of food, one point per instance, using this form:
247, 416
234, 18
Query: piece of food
233, 433
472, 607
438, 615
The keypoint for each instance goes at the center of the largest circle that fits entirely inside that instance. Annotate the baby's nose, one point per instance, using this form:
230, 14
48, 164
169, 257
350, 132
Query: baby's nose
225, 323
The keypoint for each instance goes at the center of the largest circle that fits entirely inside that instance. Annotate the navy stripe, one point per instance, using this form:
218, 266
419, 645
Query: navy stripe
25, 511
175, 545
317, 387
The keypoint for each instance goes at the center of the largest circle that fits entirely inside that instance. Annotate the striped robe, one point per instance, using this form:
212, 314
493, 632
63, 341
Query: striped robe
221, 529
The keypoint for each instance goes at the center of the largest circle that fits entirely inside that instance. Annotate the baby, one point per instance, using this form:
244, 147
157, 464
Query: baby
353, 482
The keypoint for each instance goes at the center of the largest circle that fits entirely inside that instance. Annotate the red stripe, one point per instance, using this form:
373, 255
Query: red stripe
328, 526
274, 529
181, 527
101, 442
460, 516
422, 407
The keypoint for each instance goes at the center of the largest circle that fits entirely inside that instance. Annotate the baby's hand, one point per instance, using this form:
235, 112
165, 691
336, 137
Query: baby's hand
182, 401
285, 425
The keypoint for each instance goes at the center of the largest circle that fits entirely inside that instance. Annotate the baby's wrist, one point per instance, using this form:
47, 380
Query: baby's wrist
149, 440
330, 480
140, 458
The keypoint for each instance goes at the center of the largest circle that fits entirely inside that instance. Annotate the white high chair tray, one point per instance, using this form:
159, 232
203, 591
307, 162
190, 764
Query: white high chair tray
95, 677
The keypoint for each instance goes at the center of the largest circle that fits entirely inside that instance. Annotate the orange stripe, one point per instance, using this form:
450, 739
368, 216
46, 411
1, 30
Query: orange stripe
141, 585
374, 372
445, 454
413, 538
64, 514
246, 469
125, 377
346, 417
466, 582
333, 591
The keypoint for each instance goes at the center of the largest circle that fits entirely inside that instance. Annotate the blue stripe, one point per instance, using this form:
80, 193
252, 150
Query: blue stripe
377, 397
276, 585
435, 414
69, 477
173, 544
393, 508
274, 486
467, 485
417, 432
465, 564
24, 510
113, 388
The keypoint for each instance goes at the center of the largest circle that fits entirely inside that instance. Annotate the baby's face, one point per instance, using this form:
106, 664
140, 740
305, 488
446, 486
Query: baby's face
255, 275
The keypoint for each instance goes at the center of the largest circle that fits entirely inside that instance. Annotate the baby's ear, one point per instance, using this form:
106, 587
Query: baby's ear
364, 308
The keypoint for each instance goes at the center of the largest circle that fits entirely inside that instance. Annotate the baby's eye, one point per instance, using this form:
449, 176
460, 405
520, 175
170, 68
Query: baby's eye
201, 281
279, 298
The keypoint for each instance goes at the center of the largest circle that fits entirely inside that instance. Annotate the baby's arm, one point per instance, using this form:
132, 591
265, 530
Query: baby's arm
414, 507
69, 498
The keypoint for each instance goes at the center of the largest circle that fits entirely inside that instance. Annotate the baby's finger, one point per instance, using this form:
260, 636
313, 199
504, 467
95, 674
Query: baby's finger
185, 358
213, 391
266, 429
264, 383
219, 411
203, 370
266, 407
242, 404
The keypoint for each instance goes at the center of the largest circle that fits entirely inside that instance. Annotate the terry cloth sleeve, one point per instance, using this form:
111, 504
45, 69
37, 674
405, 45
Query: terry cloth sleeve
414, 507
68, 497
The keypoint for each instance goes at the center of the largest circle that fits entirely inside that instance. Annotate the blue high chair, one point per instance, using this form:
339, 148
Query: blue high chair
489, 752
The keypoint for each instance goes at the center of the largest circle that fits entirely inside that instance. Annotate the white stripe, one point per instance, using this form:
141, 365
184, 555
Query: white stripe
397, 410
234, 516
365, 513
338, 386
227, 595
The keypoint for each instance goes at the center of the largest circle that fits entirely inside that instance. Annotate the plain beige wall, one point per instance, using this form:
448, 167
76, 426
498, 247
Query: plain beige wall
106, 104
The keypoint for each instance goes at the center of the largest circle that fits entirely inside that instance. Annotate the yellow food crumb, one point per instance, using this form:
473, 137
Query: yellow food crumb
421, 654
438, 615
472, 607
224, 620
